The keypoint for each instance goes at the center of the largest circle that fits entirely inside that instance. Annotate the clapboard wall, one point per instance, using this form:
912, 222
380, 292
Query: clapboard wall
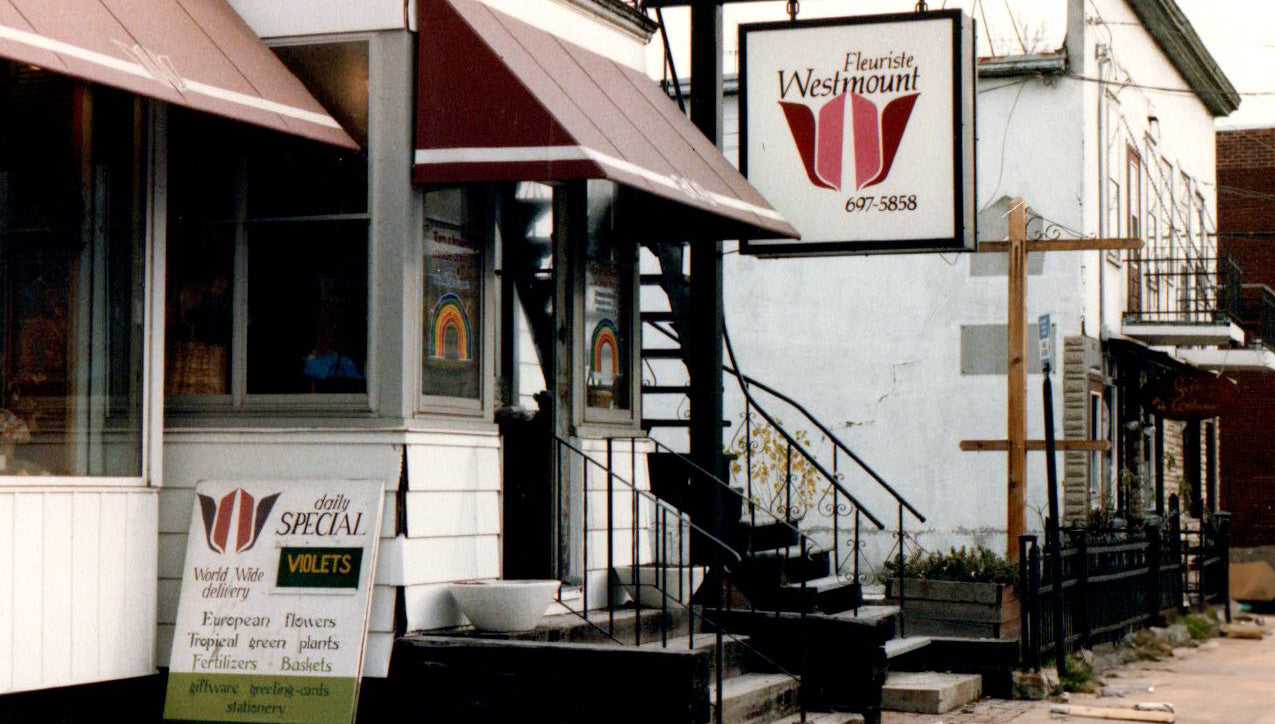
77, 593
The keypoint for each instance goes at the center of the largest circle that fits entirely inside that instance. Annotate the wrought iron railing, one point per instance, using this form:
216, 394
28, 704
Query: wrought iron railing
1187, 290
1257, 314
629, 513
831, 498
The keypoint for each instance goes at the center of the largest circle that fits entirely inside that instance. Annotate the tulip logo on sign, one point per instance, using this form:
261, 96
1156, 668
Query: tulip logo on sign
237, 514
877, 135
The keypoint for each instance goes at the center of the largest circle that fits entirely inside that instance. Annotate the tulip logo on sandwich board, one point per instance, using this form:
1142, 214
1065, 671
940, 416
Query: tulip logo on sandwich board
274, 604
860, 131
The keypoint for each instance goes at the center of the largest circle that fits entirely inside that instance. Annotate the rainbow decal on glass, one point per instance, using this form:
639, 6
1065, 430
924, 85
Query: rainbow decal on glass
451, 337
604, 354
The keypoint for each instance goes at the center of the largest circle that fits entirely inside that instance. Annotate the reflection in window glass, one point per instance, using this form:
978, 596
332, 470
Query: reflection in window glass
71, 230
452, 311
307, 307
607, 299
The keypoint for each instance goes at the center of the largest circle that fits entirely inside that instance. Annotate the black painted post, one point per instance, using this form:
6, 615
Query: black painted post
1224, 560
1082, 589
1055, 535
1033, 583
706, 314
1153, 552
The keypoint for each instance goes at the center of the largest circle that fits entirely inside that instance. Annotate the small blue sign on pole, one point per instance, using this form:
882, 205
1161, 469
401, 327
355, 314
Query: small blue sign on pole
1046, 343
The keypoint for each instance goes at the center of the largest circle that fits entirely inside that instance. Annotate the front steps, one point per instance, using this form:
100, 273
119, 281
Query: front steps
569, 672
929, 692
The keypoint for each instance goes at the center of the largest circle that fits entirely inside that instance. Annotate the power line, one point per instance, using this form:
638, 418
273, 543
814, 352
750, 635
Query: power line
1166, 89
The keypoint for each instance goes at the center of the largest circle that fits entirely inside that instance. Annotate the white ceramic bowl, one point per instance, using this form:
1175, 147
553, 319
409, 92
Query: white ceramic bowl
505, 606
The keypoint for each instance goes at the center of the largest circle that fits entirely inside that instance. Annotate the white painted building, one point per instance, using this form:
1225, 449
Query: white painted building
1108, 132
190, 298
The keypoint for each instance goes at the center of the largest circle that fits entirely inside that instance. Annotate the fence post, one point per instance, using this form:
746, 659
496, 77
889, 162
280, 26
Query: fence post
1153, 563
1082, 588
1224, 560
1179, 556
1025, 594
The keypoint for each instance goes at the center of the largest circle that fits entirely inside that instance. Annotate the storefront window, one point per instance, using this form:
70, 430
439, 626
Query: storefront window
455, 239
268, 249
72, 229
608, 298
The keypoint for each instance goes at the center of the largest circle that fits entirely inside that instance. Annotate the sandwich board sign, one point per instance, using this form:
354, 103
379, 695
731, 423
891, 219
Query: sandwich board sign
860, 131
273, 614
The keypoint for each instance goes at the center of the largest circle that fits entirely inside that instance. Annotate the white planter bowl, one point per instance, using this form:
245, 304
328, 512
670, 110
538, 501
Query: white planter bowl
505, 606
676, 583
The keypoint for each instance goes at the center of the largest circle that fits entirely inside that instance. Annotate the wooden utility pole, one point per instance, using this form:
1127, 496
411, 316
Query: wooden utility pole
1016, 443
1016, 489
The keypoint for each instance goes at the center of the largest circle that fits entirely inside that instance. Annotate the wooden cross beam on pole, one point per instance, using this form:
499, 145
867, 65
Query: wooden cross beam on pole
1017, 444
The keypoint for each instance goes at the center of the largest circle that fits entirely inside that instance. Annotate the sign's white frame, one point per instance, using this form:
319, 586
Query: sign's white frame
819, 240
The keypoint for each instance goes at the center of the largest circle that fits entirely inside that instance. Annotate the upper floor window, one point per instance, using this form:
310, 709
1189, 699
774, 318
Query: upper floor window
268, 251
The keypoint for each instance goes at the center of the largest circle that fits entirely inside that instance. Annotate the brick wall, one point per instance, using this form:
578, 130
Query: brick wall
1246, 204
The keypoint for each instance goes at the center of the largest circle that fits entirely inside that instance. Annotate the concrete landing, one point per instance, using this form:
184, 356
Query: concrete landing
929, 692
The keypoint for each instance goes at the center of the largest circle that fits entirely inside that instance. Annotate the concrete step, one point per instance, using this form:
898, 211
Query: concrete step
823, 717
756, 698
929, 692
736, 651
829, 594
899, 646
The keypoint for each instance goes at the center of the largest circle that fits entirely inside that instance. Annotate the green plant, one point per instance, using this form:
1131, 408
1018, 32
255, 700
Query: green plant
1200, 627
978, 565
1079, 677
771, 462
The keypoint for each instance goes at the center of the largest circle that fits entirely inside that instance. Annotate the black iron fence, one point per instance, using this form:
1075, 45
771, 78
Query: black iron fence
1194, 290
1117, 582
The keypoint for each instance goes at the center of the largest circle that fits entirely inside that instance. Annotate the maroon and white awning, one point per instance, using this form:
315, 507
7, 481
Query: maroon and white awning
500, 100
195, 53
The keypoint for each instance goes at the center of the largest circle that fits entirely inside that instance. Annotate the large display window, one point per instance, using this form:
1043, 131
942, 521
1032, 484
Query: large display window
72, 307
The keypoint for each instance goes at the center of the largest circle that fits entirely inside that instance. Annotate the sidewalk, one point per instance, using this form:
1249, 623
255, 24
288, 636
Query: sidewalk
1224, 681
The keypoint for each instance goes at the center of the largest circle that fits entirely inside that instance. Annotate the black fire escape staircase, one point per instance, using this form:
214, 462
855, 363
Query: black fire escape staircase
828, 578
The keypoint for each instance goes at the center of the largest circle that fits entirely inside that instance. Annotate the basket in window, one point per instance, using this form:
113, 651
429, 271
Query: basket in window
196, 368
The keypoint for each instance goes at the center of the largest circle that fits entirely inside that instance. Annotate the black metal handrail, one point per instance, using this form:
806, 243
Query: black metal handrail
835, 510
836, 441
833, 478
725, 558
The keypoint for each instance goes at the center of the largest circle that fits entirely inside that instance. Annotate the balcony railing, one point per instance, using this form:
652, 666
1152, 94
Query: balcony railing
1257, 314
1197, 290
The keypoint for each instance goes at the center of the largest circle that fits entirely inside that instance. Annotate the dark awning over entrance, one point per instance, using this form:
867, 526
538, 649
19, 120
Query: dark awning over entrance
195, 53
500, 100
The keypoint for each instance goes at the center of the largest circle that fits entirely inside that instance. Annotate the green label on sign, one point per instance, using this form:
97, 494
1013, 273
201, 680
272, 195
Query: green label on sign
319, 567
260, 698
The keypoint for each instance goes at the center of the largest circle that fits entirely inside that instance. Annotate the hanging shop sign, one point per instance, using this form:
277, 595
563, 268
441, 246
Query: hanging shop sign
274, 604
1191, 395
860, 131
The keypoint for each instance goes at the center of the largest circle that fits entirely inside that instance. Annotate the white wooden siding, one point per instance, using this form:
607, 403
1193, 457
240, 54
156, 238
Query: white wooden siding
77, 598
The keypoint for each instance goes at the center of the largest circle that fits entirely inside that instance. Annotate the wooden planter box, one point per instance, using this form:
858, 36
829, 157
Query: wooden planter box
957, 608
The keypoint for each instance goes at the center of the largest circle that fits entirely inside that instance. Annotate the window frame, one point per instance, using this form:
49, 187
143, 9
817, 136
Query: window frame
239, 401
150, 161
593, 421
428, 405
